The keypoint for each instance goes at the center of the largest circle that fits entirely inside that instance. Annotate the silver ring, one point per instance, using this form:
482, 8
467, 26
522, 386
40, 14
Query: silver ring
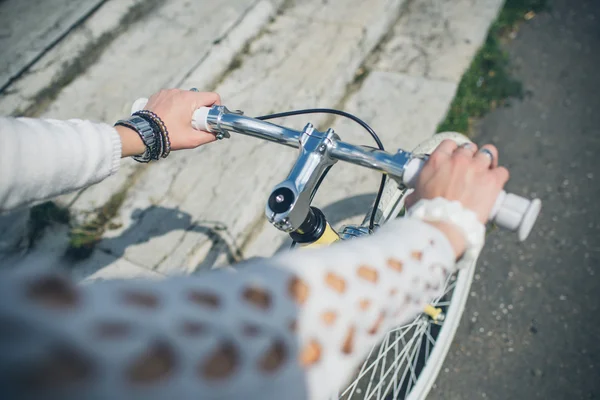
489, 154
467, 145
194, 89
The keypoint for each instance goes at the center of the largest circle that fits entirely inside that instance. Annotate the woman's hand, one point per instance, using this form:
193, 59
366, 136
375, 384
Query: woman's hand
463, 174
176, 108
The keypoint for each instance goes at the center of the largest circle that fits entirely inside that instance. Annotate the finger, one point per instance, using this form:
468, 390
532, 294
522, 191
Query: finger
205, 99
487, 157
443, 152
198, 138
446, 147
465, 150
501, 175
410, 200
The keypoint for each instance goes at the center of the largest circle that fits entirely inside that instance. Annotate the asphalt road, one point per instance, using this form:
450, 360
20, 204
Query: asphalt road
531, 329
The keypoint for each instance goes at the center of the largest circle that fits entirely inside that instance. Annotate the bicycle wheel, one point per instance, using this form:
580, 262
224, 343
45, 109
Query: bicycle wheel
406, 363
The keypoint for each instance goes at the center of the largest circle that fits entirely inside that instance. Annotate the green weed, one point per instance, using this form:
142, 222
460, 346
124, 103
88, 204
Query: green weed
488, 83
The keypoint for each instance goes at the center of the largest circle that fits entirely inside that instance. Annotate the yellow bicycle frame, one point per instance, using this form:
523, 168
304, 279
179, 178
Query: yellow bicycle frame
328, 237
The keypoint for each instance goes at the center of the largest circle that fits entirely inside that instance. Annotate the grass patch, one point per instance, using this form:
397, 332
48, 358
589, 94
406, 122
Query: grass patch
488, 82
83, 238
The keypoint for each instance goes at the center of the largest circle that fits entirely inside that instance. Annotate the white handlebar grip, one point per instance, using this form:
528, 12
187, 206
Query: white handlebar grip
139, 104
412, 171
516, 213
198, 119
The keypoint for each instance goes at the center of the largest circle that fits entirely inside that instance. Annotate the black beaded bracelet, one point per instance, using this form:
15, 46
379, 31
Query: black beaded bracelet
162, 128
150, 136
157, 128
164, 131
159, 147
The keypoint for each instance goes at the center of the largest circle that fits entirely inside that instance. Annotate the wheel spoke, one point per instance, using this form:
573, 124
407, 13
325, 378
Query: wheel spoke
362, 371
394, 380
381, 376
396, 355
413, 368
409, 369
374, 363
401, 382
448, 289
405, 351
382, 352
447, 284
427, 342
429, 337
415, 322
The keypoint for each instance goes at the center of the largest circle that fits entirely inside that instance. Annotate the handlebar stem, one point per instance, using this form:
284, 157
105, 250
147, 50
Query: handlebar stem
297, 190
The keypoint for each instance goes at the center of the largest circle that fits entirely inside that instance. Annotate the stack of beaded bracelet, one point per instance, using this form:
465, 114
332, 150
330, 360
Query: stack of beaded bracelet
148, 134
158, 126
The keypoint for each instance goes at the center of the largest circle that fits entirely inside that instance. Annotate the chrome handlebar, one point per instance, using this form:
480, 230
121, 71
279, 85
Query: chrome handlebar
220, 121
289, 202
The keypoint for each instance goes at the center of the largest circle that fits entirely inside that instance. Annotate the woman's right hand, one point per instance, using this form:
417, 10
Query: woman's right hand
463, 174
176, 108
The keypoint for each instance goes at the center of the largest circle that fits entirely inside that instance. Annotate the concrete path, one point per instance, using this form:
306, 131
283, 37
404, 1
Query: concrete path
29, 29
529, 329
394, 63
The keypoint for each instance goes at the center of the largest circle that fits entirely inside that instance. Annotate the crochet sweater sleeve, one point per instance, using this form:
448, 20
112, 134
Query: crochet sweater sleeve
292, 327
42, 158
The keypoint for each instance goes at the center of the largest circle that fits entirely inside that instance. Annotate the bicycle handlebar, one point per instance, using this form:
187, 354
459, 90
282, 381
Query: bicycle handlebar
510, 211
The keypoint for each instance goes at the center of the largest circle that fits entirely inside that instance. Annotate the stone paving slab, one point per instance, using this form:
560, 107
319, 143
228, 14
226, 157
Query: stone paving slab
66, 56
130, 68
50, 253
104, 267
142, 61
125, 68
28, 29
438, 38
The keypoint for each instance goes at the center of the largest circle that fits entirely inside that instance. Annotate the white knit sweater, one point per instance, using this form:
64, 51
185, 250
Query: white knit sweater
293, 327
40, 159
